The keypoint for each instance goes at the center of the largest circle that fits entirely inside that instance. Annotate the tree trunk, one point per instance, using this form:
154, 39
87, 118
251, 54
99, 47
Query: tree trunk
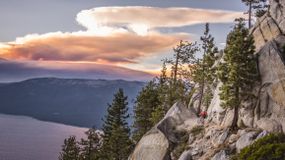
249, 14
176, 67
202, 87
234, 126
201, 97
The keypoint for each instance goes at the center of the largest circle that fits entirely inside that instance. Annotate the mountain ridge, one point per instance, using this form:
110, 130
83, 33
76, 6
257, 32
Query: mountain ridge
78, 102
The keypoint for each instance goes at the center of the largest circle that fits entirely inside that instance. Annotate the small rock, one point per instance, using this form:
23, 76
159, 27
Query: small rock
195, 151
221, 138
262, 134
233, 138
220, 156
269, 125
245, 140
241, 132
186, 155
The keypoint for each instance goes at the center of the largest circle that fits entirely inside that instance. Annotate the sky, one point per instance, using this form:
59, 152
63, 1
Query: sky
106, 39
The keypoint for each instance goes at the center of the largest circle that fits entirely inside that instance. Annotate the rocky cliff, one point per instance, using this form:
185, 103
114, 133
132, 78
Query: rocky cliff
258, 115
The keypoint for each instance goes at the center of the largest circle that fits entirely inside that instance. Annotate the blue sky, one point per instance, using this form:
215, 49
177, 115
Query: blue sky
19, 18
38, 33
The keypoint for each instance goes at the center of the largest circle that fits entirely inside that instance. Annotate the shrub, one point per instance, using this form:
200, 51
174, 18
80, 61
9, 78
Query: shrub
271, 146
197, 130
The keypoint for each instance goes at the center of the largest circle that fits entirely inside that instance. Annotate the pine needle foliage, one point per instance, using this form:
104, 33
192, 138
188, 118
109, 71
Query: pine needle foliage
116, 139
70, 149
238, 71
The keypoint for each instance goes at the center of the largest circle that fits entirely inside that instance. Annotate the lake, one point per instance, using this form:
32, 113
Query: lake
25, 138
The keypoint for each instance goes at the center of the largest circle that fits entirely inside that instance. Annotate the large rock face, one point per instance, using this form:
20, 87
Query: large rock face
153, 146
270, 40
156, 144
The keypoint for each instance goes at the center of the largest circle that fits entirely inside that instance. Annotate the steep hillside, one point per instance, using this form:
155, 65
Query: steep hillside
70, 101
182, 132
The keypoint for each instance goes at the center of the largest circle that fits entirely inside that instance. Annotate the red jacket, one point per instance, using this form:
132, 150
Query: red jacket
203, 114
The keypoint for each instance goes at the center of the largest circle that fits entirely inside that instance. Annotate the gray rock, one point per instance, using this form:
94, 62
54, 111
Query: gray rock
194, 101
269, 125
277, 92
246, 117
215, 112
220, 139
177, 119
186, 155
227, 122
277, 12
245, 140
195, 151
241, 132
233, 138
265, 31
155, 144
220, 156
152, 146
269, 40
262, 134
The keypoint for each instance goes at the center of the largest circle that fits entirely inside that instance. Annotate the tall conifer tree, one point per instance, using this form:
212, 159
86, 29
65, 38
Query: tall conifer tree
238, 71
116, 141
202, 72
180, 63
146, 103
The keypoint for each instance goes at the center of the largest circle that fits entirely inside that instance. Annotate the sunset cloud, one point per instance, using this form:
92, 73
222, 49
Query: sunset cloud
141, 19
116, 48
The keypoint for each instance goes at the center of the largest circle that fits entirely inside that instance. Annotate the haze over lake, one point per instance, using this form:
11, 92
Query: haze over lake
25, 138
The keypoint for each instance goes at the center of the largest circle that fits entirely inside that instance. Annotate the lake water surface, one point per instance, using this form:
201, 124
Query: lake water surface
24, 138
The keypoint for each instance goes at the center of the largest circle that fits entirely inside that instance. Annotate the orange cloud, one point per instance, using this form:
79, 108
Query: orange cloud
115, 48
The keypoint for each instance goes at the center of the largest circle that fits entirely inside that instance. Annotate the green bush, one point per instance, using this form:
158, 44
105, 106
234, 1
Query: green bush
181, 145
270, 147
197, 130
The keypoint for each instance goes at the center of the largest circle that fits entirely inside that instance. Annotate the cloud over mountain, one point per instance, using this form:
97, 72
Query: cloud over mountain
114, 36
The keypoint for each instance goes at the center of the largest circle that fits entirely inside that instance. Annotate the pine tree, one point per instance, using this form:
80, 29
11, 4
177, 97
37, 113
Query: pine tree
181, 62
163, 75
146, 103
70, 149
184, 54
90, 146
260, 7
202, 72
238, 72
116, 142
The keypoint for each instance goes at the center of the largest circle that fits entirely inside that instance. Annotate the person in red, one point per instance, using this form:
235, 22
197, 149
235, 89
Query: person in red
203, 114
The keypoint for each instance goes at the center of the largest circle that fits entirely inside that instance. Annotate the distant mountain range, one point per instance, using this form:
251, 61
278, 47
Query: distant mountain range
76, 102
